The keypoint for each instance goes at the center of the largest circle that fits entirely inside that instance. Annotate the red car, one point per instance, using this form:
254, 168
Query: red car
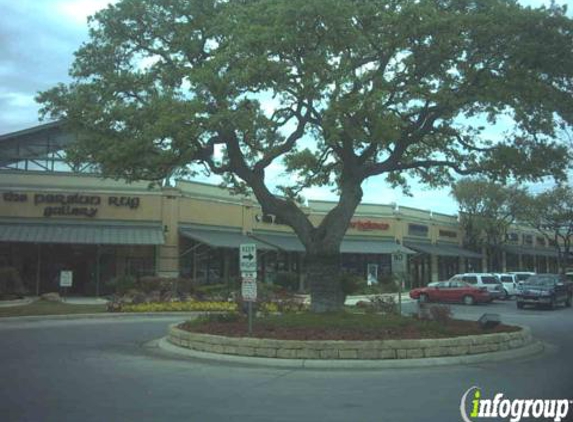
451, 291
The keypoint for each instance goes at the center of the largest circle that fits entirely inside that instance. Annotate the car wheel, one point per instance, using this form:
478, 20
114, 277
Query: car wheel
552, 303
519, 305
468, 300
568, 301
423, 298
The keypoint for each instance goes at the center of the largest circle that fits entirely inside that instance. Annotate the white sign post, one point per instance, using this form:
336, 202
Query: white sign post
248, 265
66, 280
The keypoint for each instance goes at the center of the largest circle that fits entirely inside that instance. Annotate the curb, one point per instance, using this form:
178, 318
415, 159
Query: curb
103, 315
534, 348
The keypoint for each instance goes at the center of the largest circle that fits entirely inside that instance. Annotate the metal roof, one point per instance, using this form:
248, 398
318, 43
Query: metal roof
442, 249
291, 243
33, 143
88, 233
220, 238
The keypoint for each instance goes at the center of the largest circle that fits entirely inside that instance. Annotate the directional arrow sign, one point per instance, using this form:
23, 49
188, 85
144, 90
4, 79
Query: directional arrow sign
248, 257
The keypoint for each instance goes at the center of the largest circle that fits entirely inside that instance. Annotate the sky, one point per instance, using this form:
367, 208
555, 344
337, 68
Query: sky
37, 42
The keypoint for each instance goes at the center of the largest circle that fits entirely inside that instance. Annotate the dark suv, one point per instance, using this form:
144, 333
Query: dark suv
545, 289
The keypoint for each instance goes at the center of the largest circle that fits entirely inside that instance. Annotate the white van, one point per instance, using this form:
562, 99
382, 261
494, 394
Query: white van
510, 284
488, 281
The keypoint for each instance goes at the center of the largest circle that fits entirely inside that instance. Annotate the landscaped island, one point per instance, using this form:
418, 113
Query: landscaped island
344, 336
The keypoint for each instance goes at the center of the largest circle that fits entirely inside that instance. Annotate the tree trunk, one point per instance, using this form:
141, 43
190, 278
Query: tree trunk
323, 274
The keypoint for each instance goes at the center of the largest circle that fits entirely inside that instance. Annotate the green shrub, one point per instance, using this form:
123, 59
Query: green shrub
351, 283
120, 285
10, 282
287, 280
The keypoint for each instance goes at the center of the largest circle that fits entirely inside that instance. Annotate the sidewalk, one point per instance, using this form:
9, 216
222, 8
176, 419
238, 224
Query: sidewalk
82, 300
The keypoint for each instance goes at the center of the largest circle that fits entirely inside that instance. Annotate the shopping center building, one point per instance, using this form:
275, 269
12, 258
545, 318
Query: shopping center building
54, 219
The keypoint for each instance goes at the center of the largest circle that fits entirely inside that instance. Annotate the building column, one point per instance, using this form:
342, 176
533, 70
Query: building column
462, 264
434, 275
168, 253
504, 261
484, 259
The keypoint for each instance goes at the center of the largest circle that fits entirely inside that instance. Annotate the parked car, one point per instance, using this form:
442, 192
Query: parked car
521, 275
545, 289
451, 291
487, 280
510, 284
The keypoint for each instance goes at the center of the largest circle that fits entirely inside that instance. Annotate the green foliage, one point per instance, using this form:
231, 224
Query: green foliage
10, 283
287, 280
350, 283
337, 90
551, 214
487, 209
160, 83
122, 284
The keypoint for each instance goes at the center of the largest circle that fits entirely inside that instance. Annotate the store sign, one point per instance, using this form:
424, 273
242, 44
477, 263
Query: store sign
66, 278
58, 204
368, 225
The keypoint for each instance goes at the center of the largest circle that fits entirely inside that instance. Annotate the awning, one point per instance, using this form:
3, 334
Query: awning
285, 242
220, 238
86, 233
442, 249
291, 243
373, 246
524, 250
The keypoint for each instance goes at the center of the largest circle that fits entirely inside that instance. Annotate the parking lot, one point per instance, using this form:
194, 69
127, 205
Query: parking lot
94, 370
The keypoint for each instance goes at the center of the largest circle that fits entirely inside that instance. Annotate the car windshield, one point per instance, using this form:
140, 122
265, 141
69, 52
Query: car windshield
506, 278
536, 280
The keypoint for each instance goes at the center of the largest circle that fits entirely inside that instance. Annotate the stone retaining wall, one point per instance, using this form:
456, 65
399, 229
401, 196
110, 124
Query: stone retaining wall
341, 349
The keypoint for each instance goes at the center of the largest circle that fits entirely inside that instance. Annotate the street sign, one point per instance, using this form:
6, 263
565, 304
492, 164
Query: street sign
249, 289
66, 278
248, 274
398, 262
248, 257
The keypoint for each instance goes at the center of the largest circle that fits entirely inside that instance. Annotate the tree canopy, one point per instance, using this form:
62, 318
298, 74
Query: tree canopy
551, 214
358, 89
487, 210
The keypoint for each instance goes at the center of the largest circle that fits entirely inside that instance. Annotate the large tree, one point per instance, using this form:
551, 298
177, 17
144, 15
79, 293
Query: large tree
486, 211
361, 89
551, 214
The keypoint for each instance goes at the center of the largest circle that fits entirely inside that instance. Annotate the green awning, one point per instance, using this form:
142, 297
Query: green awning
291, 243
525, 250
221, 238
442, 249
284, 242
82, 233
373, 246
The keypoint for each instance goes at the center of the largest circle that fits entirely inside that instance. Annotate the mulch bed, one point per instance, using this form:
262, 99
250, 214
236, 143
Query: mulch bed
417, 330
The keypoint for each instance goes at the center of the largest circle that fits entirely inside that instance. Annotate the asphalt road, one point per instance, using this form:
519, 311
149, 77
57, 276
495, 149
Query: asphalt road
105, 370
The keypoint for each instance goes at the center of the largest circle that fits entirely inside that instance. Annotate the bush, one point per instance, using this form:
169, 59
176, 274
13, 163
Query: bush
382, 304
122, 284
287, 280
11, 282
441, 313
351, 283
